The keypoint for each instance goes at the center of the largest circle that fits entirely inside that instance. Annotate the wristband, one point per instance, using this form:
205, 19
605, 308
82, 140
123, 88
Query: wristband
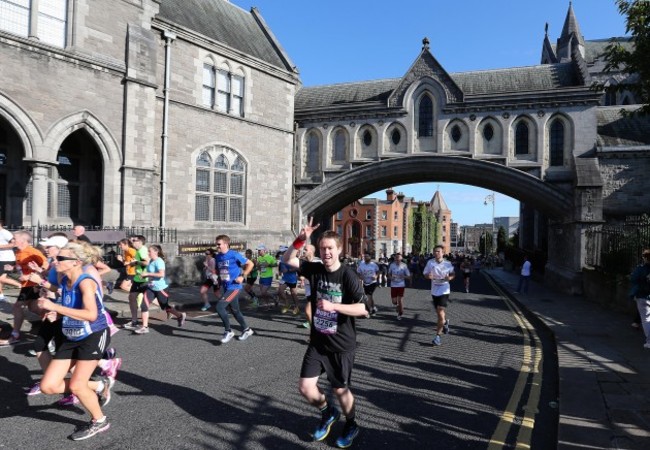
298, 243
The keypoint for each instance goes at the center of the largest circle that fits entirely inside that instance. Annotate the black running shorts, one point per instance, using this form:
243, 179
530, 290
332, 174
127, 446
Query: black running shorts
440, 300
337, 366
88, 349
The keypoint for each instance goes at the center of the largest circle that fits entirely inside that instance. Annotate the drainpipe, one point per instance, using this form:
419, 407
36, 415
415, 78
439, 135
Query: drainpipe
169, 37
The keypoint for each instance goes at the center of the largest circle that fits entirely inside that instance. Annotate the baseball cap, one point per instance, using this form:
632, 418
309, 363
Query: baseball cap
261, 247
283, 248
55, 241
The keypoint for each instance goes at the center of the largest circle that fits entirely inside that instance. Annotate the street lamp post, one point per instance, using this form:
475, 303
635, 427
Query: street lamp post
492, 199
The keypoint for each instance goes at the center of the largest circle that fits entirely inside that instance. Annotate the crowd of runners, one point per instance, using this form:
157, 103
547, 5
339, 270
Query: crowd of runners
61, 281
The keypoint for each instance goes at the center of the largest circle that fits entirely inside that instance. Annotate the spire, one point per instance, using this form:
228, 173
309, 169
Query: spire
570, 37
438, 203
571, 26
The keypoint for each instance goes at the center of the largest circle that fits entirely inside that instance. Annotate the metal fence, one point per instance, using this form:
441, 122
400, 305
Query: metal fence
617, 248
103, 235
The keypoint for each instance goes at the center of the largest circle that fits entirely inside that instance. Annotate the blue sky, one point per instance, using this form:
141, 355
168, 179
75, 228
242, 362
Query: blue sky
339, 41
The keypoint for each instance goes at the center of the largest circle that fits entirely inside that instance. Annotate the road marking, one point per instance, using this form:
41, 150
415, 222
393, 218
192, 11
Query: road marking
529, 374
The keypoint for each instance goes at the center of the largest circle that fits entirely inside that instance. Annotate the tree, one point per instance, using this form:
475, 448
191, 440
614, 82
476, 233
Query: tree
635, 61
502, 239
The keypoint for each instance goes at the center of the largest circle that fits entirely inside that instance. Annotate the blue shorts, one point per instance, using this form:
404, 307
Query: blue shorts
266, 281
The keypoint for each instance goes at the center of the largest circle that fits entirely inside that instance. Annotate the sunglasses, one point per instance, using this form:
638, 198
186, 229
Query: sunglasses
66, 258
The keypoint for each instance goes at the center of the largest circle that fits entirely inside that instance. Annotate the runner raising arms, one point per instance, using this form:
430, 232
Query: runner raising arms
336, 299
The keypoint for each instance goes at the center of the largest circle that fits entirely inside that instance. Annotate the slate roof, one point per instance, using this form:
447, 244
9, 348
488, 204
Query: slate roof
518, 79
226, 23
438, 203
596, 47
615, 130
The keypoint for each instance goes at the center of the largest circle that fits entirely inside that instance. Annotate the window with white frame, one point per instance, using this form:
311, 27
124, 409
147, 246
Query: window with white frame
223, 90
368, 215
220, 187
49, 19
384, 231
384, 215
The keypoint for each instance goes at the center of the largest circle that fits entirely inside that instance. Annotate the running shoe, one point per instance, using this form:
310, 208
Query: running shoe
227, 336
90, 429
32, 352
111, 367
285, 309
35, 389
142, 330
181, 319
437, 340
256, 302
205, 307
2, 298
130, 325
110, 353
305, 324
325, 425
374, 311
13, 339
105, 394
109, 287
68, 400
295, 311
445, 327
350, 431
248, 332
399, 316
646, 345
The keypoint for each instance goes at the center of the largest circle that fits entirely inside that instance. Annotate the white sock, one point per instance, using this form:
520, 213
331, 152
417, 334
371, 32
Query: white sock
102, 420
100, 387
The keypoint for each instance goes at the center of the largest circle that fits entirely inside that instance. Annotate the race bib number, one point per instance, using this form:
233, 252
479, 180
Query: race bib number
325, 322
224, 274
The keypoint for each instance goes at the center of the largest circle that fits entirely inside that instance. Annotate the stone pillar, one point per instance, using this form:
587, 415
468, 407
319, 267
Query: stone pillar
567, 236
40, 178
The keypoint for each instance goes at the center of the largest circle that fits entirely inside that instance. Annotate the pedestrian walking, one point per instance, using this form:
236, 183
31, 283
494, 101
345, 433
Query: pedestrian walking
524, 277
336, 299
640, 290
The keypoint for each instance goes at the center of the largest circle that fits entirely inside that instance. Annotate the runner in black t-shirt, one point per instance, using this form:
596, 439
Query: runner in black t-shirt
336, 299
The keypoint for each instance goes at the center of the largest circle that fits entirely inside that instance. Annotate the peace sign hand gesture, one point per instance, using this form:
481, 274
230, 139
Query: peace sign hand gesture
308, 229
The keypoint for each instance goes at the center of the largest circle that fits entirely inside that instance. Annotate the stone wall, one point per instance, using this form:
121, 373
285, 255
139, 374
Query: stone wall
626, 189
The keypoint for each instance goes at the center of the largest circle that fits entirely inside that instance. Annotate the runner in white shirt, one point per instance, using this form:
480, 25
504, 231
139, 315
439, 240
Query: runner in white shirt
7, 257
440, 272
398, 272
368, 272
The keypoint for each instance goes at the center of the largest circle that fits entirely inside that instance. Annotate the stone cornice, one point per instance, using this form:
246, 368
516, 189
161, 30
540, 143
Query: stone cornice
66, 55
212, 45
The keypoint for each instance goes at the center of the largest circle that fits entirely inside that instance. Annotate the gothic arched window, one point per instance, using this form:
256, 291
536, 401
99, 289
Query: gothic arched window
313, 152
220, 188
556, 143
521, 139
339, 146
425, 117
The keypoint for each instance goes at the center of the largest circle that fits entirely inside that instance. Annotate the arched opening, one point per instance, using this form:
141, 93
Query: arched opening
353, 235
75, 185
13, 175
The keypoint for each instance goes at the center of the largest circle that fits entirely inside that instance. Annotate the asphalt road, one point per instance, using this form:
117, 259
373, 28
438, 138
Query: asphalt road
180, 388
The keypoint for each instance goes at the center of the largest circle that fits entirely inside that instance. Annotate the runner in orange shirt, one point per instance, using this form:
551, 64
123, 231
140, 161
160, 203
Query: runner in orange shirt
28, 290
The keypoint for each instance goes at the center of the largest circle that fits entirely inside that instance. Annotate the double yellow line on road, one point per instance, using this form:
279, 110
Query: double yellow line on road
529, 374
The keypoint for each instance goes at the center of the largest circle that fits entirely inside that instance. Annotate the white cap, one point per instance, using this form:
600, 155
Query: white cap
261, 247
55, 241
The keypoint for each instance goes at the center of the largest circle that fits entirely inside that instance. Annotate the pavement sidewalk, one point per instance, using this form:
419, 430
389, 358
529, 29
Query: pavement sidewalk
604, 370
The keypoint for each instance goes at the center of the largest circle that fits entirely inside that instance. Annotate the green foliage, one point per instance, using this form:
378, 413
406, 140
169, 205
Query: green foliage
426, 229
485, 243
637, 60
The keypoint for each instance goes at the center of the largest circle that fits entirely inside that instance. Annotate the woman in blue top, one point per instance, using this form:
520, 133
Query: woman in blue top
156, 289
86, 335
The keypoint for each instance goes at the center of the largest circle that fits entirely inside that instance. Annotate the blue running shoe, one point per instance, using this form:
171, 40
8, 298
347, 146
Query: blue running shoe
323, 429
445, 327
437, 340
350, 431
